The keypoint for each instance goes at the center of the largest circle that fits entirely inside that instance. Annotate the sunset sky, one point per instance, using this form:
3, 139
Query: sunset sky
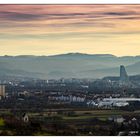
58, 29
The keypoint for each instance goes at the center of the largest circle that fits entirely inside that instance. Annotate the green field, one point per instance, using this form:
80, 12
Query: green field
100, 114
87, 114
1, 122
85, 117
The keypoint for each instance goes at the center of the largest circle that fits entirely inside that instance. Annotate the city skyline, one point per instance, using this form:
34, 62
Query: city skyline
60, 29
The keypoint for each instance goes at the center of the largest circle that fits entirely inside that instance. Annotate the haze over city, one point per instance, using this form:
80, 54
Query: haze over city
59, 29
70, 70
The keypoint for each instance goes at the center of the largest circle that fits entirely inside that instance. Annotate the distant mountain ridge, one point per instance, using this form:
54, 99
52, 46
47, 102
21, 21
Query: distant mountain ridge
71, 65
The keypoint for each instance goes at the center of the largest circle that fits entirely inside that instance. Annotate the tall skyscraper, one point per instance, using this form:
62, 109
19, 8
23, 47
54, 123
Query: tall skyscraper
124, 79
2, 90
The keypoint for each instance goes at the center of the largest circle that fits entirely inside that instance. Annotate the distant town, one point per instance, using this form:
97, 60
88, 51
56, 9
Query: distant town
108, 102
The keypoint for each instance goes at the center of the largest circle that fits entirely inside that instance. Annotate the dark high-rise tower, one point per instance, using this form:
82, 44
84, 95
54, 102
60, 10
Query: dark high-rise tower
123, 75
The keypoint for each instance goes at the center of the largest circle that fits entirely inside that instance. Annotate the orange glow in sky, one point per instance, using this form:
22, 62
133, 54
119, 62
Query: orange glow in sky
58, 29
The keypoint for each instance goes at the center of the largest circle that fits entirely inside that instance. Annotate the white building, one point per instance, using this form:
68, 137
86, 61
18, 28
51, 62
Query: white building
121, 99
120, 104
117, 119
105, 103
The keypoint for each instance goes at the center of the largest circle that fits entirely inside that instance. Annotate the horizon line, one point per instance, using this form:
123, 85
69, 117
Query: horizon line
67, 54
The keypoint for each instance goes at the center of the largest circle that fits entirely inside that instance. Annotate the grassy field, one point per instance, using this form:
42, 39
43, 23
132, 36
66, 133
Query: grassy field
85, 117
1, 122
90, 114
100, 114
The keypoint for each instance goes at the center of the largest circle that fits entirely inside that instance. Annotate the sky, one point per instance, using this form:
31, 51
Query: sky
59, 29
